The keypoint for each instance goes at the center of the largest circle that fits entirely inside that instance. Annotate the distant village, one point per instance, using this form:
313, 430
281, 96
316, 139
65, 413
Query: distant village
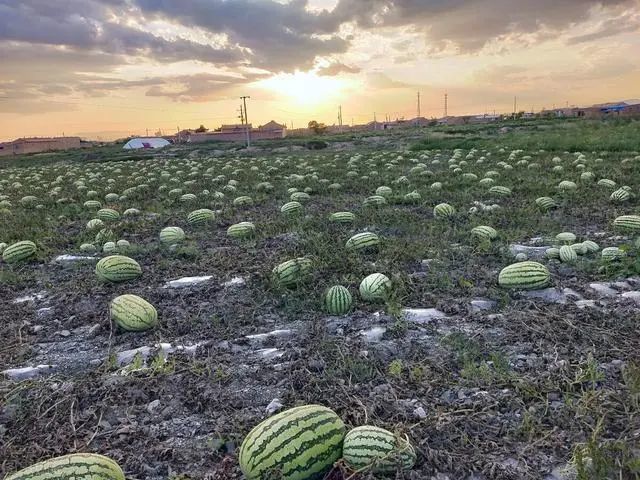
274, 130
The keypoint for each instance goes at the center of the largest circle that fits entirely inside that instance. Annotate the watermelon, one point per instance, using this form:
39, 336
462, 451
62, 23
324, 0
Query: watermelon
300, 197
107, 214
384, 191
552, 252
92, 205
200, 217
338, 300
188, 197
172, 235
591, 246
362, 242
241, 230
3, 246
19, 251
620, 195
242, 201
292, 209
118, 268
94, 224
627, 223
484, 233
342, 217
412, 197
524, 275
88, 248
611, 254
132, 313
566, 237
568, 254
374, 201
109, 247
292, 272
301, 443
546, 203
375, 449
375, 287
605, 182
500, 191
579, 248
76, 466
443, 210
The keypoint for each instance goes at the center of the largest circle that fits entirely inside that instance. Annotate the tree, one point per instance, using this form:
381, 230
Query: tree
202, 129
318, 128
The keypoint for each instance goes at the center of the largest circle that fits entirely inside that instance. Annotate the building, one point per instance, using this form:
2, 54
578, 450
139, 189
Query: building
238, 133
22, 146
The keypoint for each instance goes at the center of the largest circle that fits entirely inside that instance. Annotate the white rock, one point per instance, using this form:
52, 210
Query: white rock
530, 252
373, 334
635, 296
586, 304
422, 315
274, 406
269, 353
74, 258
480, 304
30, 298
44, 312
235, 282
260, 337
420, 413
603, 289
28, 372
550, 295
127, 357
187, 281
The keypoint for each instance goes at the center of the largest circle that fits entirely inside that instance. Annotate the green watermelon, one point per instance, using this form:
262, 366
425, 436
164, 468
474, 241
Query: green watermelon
301, 443
524, 275
172, 235
363, 242
292, 272
241, 230
19, 251
338, 300
76, 466
369, 448
375, 287
132, 313
118, 268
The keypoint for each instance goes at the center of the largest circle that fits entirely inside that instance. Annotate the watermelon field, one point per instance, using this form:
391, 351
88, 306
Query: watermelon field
465, 300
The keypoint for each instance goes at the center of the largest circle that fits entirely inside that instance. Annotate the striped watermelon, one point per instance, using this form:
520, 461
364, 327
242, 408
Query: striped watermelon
200, 217
500, 191
436, 186
566, 237
375, 287
413, 197
627, 223
292, 272
172, 235
484, 233
109, 247
301, 443
605, 182
552, 252
242, 201
19, 251
292, 209
107, 214
546, 203
375, 449
111, 197
568, 254
620, 195
105, 235
567, 186
338, 300
3, 246
118, 268
92, 205
77, 466
242, 230
131, 212
384, 191
94, 224
591, 246
88, 248
524, 275
363, 242
300, 197
188, 197
342, 217
611, 254
374, 201
579, 248
132, 313
443, 210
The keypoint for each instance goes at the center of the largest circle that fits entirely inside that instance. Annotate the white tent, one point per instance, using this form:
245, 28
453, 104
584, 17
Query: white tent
150, 142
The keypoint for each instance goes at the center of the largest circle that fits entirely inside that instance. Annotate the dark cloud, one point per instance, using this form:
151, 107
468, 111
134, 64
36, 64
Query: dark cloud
337, 68
471, 25
201, 87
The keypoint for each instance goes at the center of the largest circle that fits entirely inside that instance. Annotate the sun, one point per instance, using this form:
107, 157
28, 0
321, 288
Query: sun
304, 88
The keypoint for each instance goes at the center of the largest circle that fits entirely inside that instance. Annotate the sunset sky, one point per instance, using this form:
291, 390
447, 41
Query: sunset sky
107, 68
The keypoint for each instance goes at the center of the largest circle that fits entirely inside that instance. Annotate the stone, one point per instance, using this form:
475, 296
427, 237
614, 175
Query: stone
153, 406
530, 252
74, 259
586, 304
187, 281
64, 333
235, 282
550, 295
274, 406
373, 334
420, 413
25, 373
261, 337
603, 289
634, 295
482, 304
422, 315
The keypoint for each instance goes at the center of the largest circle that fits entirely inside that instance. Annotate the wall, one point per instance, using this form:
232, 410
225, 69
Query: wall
38, 145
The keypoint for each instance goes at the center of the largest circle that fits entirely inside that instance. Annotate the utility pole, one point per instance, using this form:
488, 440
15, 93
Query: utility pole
246, 119
446, 104
241, 116
418, 117
515, 106
340, 117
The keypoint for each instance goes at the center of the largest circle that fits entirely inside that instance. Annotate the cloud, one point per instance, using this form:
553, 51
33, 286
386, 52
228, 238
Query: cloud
471, 25
381, 81
337, 68
200, 87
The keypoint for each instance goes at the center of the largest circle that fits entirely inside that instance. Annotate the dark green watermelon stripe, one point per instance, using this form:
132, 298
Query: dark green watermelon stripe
332, 438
